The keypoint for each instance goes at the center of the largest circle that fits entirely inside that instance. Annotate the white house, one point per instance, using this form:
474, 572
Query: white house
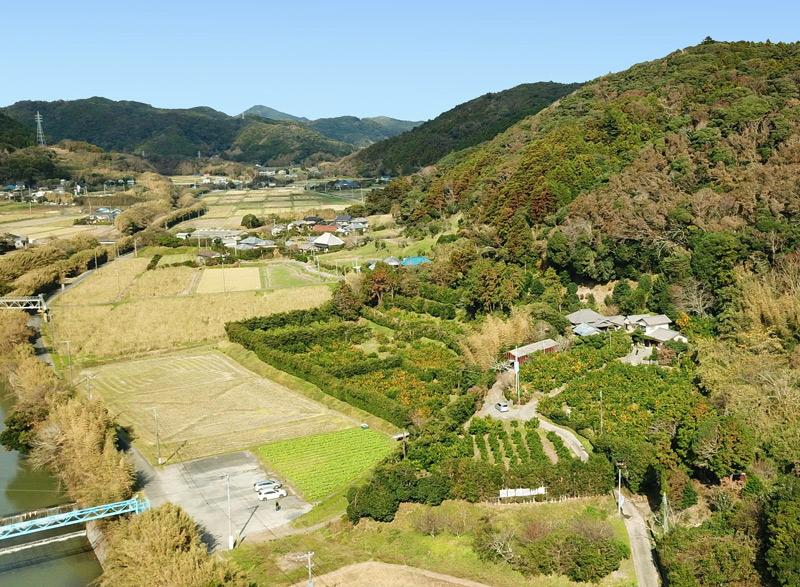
662, 335
647, 323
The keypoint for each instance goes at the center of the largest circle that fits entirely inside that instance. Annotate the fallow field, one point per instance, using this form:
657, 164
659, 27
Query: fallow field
141, 325
207, 404
231, 279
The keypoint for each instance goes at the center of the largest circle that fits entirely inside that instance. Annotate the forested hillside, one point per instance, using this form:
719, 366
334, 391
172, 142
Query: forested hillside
675, 184
167, 137
361, 132
464, 126
14, 135
284, 142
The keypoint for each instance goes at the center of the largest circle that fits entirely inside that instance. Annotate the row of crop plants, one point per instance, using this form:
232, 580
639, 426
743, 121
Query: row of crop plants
522, 446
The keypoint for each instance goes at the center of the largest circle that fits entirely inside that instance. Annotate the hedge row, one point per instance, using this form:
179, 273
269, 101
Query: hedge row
182, 214
423, 306
365, 399
297, 339
365, 366
293, 318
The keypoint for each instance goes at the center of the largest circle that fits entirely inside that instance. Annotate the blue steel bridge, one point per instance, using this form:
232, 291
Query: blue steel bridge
22, 525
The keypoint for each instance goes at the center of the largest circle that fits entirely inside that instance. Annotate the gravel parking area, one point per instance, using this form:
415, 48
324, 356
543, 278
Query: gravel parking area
197, 486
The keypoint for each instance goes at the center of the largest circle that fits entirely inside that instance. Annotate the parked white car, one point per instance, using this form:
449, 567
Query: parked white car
501, 406
266, 484
271, 494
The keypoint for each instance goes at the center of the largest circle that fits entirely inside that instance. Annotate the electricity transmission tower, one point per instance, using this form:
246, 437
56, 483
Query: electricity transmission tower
39, 132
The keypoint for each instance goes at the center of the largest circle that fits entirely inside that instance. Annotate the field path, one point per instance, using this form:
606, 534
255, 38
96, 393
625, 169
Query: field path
389, 575
646, 571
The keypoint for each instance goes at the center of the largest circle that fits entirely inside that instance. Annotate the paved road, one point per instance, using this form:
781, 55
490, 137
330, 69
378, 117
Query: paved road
527, 412
646, 572
197, 487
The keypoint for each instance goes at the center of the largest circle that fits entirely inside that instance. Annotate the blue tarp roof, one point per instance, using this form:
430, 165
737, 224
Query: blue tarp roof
584, 329
415, 261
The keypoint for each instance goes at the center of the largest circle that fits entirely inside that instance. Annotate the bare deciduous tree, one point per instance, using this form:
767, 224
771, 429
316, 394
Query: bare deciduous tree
690, 297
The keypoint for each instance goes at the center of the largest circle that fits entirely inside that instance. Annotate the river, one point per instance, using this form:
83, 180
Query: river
70, 563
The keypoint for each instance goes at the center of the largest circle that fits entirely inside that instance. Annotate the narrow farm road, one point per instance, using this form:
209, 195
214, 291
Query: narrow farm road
646, 571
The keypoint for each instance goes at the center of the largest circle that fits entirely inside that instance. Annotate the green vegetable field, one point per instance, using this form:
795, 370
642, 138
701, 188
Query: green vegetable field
322, 463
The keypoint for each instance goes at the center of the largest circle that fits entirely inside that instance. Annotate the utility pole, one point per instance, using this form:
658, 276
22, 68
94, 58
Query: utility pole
516, 376
230, 523
404, 443
69, 358
89, 378
601, 412
307, 556
666, 521
619, 489
158, 438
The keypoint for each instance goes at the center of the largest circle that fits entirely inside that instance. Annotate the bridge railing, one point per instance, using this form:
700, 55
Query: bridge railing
23, 303
59, 520
41, 513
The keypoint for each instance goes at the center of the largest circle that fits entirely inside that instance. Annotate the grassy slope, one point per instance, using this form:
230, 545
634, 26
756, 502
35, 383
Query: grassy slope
398, 542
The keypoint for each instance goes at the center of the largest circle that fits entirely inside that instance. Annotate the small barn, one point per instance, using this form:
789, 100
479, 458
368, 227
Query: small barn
521, 354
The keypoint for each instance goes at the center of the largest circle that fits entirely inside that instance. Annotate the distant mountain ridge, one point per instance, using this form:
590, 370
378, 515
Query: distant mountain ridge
268, 112
360, 132
168, 137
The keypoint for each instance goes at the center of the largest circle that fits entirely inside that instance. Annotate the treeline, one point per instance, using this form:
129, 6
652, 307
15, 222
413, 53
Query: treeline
41, 269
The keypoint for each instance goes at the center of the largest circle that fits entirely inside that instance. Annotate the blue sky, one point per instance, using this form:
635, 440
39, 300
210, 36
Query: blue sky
410, 59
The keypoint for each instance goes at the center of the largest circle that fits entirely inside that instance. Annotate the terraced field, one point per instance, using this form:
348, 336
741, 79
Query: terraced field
320, 464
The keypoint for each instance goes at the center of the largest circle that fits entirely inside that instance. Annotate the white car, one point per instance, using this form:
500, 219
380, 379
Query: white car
266, 484
501, 406
271, 494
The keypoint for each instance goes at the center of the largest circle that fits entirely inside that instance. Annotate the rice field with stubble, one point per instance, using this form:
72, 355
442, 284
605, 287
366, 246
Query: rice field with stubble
207, 404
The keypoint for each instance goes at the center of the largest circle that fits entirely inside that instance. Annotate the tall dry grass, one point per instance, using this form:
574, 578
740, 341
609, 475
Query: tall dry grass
165, 323
483, 346
78, 442
105, 285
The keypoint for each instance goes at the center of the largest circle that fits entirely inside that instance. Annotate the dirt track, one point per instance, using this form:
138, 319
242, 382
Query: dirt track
371, 574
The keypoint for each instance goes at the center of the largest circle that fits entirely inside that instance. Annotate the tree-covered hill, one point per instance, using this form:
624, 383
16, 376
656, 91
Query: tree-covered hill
361, 132
634, 166
169, 136
284, 142
14, 135
464, 126
267, 112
